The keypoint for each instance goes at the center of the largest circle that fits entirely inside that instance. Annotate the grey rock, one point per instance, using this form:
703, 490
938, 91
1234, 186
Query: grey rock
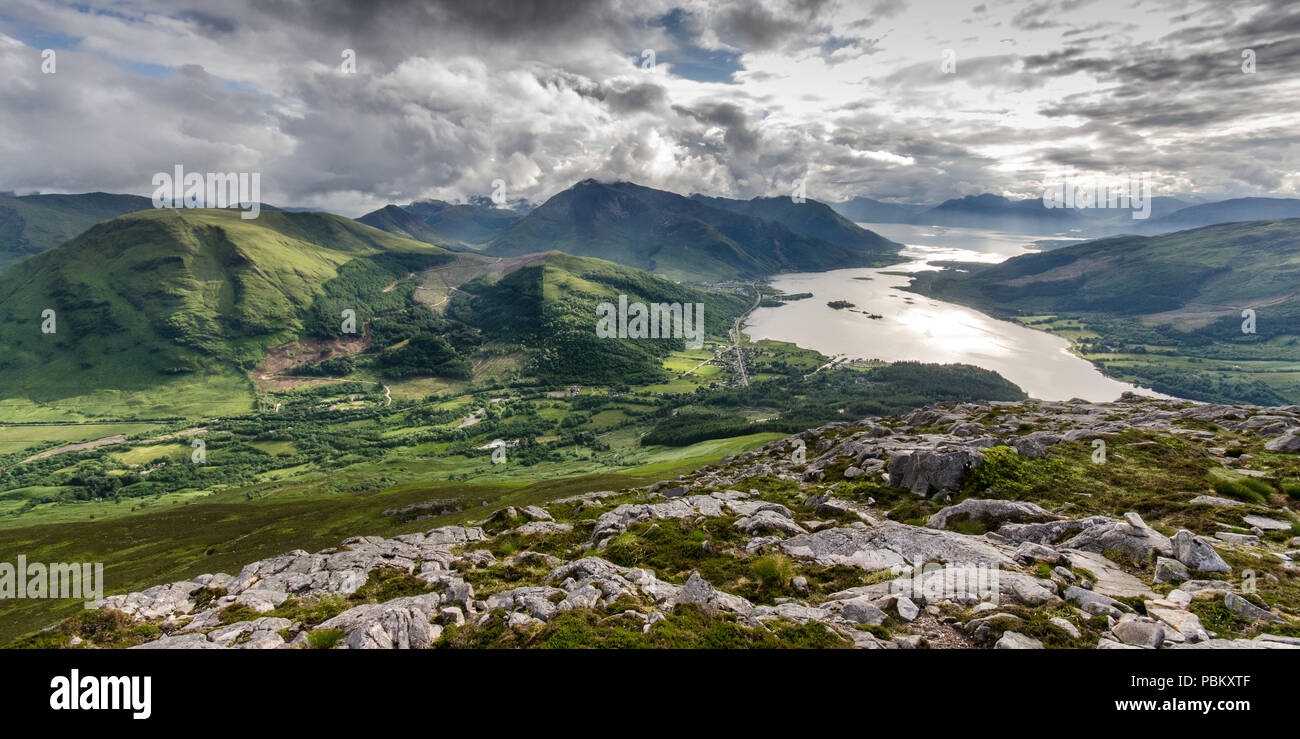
922, 471
1028, 551
1244, 540
1016, 640
1215, 501
1136, 542
1170, 570
890, 544
991, 513
1288, 443
1065, 626
1241, 607
1267, 524
1197, 553
862, 611
1140, 633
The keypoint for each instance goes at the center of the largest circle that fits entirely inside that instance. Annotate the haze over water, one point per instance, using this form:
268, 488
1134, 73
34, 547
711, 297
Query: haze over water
914, 327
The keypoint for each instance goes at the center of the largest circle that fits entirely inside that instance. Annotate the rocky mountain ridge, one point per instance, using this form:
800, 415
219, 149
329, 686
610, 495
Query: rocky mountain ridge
1135, 524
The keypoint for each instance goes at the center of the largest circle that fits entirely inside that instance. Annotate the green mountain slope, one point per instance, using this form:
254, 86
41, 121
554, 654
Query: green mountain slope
674, 236
551, 308
30, 224
162, 312
1164, 309
441, 223
396, 220
809, 218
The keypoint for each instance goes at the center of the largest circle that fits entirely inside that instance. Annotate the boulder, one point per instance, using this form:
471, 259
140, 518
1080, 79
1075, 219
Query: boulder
1016, 640
1197, 553
1287, 443
1267, 524
1065, 626
890, 544
1136, 541
862, 611
1170, 570
990, 513
925, 470
1239, 606
1140, 633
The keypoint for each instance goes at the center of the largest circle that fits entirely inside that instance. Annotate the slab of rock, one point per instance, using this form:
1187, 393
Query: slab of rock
700, 591
1111, 580
1267, 524
963, 585
1094, 602
1050, 532
922, 471
1242, 540
1140, 633
1065, 626
1215, 501
1288, 443
767, 521
1197, 553
1028, 551
862, 611
1016, 640
1239, 606
1137, 542
542, 527
1186, 623
907, 610
1170, 570
890, 544
991, 513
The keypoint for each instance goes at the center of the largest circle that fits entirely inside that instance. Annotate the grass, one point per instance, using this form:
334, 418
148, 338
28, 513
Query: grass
688, 626
223, 531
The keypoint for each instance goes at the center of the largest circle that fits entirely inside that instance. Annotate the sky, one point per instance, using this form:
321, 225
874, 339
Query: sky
910, 102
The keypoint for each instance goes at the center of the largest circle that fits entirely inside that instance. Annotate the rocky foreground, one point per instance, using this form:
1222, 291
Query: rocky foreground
1135, 524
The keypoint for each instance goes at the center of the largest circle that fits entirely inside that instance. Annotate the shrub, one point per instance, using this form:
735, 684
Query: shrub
324, 638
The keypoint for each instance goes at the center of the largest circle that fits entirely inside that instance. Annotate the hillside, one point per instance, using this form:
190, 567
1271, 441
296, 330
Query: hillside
865, 210
676, 237
441, 223
1029, 215
550, 309
1028, 538
165, 310
30, 224
809, 218
1179, 294
397, 220
1226, 211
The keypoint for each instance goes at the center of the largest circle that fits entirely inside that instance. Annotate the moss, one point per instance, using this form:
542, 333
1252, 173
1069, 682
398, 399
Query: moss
204, 597
1036, 623
1216, 617
387, 583
687, 627
498, 577
880, 632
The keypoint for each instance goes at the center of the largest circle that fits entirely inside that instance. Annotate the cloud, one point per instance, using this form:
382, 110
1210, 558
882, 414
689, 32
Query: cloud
745, 96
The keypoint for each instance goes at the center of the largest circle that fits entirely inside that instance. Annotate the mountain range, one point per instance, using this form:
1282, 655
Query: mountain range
30, 224
1031, 216
692, 239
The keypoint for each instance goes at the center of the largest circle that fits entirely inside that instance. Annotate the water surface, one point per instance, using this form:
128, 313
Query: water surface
914, 327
